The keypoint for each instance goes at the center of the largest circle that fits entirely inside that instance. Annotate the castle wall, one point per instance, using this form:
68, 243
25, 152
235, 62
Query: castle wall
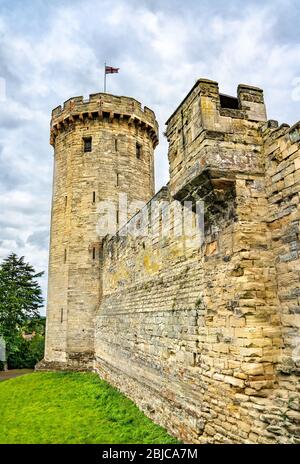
185, 331
199, 334
282, 151
199, 327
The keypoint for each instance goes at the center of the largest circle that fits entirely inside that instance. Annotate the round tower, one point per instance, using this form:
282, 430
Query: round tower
103, 146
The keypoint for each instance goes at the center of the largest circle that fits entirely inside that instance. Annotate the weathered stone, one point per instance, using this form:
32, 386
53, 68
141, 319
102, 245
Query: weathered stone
201, 334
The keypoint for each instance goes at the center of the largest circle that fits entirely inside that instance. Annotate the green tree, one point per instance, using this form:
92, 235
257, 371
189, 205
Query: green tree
35, 324
20, 298
27, 353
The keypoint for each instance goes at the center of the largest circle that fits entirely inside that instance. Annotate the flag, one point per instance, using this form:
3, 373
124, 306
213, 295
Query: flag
111, 70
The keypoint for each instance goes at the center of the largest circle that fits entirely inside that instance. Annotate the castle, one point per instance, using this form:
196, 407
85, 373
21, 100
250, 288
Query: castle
202, 334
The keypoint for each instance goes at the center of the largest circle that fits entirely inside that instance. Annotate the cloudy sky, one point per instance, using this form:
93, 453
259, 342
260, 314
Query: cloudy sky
52, 50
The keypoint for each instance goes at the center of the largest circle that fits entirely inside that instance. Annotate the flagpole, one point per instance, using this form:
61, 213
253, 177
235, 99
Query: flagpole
105, 77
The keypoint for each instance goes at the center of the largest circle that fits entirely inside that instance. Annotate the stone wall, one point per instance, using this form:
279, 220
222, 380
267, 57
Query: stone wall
183, 330
282, 150
199, 333
200, 327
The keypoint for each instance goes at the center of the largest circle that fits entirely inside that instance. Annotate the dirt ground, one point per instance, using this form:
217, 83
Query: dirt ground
10, 374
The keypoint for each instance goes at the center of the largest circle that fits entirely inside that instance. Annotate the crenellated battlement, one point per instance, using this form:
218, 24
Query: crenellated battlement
104, 106
272, 132
213, 131
248, 104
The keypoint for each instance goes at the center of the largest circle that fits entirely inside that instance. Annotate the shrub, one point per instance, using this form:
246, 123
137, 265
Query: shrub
27, 353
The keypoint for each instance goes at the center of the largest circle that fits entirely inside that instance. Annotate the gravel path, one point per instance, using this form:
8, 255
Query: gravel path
5, 375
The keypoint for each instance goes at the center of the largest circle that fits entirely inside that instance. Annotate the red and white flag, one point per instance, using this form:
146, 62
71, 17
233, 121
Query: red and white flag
111, 70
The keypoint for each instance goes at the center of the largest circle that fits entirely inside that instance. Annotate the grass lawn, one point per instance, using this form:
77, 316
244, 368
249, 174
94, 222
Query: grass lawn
65, 407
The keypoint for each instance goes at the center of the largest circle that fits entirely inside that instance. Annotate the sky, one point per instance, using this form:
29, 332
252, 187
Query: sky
53, 50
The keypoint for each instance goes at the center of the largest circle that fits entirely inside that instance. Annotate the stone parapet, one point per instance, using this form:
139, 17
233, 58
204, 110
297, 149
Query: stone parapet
213, 131
104, 106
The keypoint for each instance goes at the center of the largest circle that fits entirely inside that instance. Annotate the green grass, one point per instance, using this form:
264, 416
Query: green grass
71, 408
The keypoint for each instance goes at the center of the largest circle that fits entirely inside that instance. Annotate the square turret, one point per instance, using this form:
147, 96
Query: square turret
214, 133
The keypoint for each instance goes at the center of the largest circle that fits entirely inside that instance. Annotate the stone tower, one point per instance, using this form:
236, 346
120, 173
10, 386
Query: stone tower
103, 147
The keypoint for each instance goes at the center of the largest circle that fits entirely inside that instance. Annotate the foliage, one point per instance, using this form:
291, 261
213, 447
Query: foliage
64, 407
27, 353
35, 324
20, 299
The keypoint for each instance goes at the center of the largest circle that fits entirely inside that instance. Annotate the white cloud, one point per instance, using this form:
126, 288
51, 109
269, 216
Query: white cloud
51, 51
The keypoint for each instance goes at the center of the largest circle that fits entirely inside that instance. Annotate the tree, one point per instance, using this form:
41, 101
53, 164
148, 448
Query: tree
20, 298
27, 353
35, 324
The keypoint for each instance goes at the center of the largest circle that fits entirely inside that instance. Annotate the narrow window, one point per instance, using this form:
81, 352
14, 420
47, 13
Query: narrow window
62, 315
117, 217
160, 220
116, 144
94, 253
94, 197
118, 180
66, 201
65, 255
138, 151
87, 144
172, 220
138, 224
189, 135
